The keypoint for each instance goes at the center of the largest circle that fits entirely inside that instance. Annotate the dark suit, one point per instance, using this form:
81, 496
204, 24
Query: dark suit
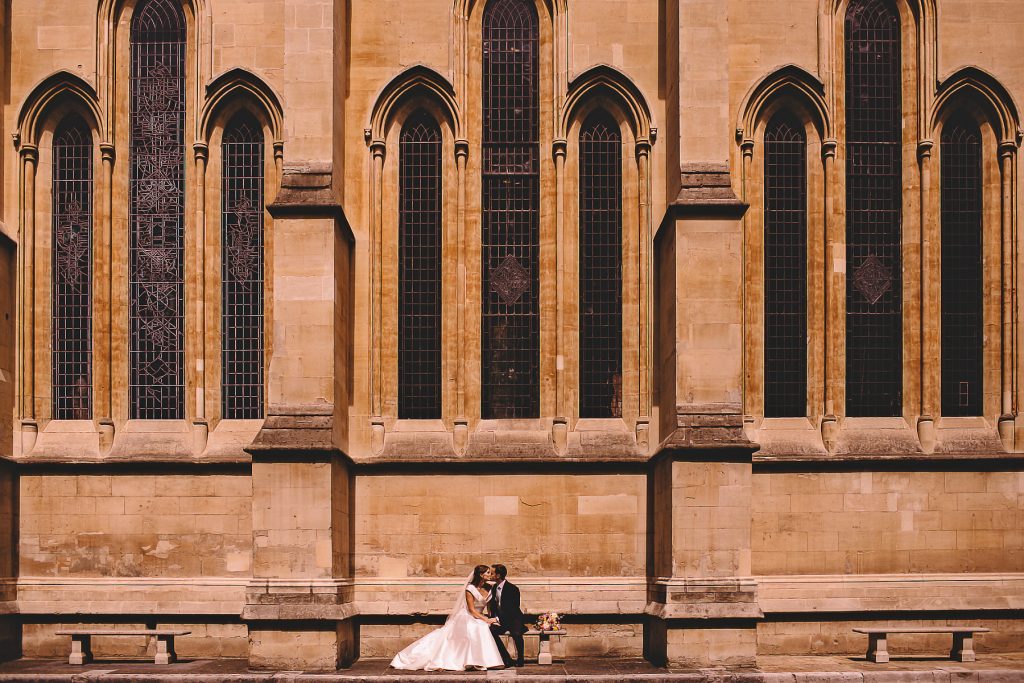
510, 620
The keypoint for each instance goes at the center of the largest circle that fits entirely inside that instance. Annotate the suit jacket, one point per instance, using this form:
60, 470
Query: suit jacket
509, 612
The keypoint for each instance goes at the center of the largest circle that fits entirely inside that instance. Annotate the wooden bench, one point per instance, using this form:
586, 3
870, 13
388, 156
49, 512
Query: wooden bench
963, 640
81, 642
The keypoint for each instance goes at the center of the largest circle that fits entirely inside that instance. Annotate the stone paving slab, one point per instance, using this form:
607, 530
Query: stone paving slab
993, 669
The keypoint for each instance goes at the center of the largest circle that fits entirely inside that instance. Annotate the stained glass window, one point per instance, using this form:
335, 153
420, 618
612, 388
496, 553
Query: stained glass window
785, 268
962, 285
242, 268
510, 358
419, 270
874, 182
600, 236
72, 271
156, 302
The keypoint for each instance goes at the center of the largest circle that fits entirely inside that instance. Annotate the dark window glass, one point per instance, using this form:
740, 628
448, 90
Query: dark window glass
72, 271
874, 324
510, 358
156, 301
785, 268
600, 267
962, 319
419, 270
242, 270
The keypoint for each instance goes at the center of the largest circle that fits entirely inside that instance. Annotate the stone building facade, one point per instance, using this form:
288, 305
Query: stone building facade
701, 316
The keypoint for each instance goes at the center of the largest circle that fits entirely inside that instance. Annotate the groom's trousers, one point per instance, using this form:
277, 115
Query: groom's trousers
516, 631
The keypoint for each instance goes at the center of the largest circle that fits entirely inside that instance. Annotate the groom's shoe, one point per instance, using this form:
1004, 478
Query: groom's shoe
520, 663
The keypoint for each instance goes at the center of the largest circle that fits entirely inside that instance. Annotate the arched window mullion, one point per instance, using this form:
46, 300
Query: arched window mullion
962, 277
600, 270
510, 244
874, 182
71, 323
157, 200
785, 268
242, 270
419, 269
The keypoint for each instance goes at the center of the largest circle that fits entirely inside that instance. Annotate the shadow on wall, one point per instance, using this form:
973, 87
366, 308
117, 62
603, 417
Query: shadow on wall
10, 628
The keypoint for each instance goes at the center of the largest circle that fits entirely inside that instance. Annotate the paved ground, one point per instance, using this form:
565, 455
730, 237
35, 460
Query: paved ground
990, 669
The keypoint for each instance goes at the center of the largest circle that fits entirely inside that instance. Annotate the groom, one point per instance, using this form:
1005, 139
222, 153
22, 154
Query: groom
504, 605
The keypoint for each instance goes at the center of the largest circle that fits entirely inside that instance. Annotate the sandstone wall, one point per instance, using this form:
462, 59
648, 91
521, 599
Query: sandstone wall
888, 522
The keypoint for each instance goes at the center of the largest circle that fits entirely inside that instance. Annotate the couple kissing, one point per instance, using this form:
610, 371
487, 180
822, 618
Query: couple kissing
486, 607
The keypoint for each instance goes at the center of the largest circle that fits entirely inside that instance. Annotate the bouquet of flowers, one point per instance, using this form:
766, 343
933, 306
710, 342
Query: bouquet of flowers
549, 621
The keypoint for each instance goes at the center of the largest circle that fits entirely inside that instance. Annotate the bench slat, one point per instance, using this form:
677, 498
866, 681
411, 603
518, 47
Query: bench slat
924, 629
123, 632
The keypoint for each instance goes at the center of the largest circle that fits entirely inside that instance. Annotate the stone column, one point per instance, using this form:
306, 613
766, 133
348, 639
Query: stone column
29, 426
646, 270
377, 150
461, 426
105, 267
200, 425
702, 601
560, 426
835, 298
1007, 159
930, 327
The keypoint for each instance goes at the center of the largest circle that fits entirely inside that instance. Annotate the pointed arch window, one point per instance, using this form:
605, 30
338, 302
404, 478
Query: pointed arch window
962, 284
510, 358
874, 324
600, 267
72, 270
242, 268
785, 268
157, 195
419, 269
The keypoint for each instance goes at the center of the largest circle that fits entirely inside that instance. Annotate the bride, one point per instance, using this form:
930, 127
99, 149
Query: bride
465, 640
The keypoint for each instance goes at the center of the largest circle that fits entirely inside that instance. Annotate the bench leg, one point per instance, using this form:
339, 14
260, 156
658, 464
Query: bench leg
544, 651
164, 650
876, 648
81, 650
963, 647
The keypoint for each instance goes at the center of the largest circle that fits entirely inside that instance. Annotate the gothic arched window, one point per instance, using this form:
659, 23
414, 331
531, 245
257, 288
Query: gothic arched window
785, 268
156, 302
72, 271
242, 269
874, 181
419, 269
600, 236
510, 358
962, 319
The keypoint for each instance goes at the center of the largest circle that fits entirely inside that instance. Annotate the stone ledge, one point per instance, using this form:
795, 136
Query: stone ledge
715, 427
705, 189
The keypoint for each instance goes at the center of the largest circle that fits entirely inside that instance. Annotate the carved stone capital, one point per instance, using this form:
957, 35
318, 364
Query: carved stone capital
829, 148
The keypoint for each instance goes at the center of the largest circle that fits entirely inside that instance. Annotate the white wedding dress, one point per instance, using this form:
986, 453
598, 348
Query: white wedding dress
463, 642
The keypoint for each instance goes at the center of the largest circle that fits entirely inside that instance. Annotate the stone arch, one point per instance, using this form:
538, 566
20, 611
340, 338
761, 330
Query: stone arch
199, 23
241, 84
831, 16
62, 86
604, 79
983, 89
790, 82
418, 80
